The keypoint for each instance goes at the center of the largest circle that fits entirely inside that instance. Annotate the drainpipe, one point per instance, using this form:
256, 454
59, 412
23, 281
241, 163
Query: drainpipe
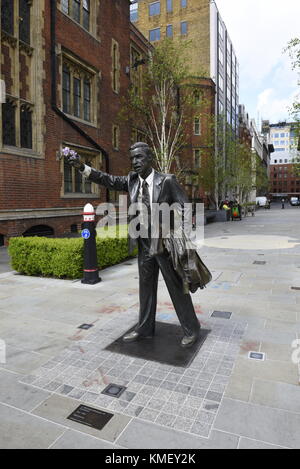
53, 93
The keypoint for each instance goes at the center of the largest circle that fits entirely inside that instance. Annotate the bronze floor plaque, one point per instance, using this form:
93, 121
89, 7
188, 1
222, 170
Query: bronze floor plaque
94, 418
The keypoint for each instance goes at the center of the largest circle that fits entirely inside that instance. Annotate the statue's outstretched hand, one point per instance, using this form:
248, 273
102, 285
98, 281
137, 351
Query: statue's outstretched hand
72, 158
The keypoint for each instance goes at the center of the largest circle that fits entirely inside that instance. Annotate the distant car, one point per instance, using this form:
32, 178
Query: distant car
261, 201
294, 201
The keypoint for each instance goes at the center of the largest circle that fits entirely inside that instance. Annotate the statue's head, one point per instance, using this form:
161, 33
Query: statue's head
141, 158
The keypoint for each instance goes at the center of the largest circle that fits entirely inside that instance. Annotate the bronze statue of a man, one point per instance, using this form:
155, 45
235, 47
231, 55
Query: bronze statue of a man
148, 186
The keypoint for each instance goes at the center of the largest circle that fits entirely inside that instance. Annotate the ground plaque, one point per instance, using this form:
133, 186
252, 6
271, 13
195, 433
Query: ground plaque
155, 349
93, 418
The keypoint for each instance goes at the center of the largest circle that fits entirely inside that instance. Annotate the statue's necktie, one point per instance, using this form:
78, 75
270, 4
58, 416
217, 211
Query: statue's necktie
147, 204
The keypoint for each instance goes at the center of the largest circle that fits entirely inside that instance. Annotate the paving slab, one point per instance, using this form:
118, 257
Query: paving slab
258, 422
246, 443
278, 395
21, 430
21, 361
17, 394
140, 434
58, 408
72, 439
268, 369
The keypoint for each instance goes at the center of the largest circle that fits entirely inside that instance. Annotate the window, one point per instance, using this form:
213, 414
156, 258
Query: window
7, 16
154, 9
276, 135
26, 126
282, 135
77, 97
221, 30
77, 91
169, 30
9, 116
24, 21
134, 10
197, 97
86, 14
79, 10
197, 158
137, 136
221, 83
115, 67
154, 35
65, 6
76, 10
221, 56
116, 137
87, 100
228, 116
197, 126
9, 123
169, 6
183, 3
66, 90
74, 181
136, 71
183, 28
221, 107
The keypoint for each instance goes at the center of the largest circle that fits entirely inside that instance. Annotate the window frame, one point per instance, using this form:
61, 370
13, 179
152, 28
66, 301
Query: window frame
81, 15
153, 4
80, 72
182, 33
197, 158
86, 188
151, 31
197, 126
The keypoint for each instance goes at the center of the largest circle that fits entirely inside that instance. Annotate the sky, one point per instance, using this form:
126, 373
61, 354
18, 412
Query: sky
260, 30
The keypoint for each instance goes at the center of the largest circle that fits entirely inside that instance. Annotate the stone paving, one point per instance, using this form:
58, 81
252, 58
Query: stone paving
182, 398
222, 400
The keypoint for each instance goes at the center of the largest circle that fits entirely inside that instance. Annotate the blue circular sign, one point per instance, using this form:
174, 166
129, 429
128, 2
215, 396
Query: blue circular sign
86, 234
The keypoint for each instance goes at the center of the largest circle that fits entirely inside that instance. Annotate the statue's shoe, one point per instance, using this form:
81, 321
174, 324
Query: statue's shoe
134, 336
189, 340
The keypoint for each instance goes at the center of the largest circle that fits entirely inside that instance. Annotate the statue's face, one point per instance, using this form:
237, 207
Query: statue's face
141, 162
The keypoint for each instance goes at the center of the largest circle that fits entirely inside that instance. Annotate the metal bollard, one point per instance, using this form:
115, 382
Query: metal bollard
91, 271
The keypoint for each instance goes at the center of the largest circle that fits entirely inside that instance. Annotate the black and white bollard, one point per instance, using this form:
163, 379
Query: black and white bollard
90, 269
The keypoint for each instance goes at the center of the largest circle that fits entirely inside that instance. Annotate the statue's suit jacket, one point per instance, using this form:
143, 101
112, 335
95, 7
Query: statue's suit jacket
166, 189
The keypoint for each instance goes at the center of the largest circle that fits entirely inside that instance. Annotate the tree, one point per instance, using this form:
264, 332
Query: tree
160, 104
231, 168
293, 49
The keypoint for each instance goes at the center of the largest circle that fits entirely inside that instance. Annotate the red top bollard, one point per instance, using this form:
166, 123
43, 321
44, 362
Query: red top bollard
91, 271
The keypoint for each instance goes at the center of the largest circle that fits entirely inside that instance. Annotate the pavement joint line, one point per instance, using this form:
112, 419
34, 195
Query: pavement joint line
33, 415
265, 442
51, 421
131, 420
57, 439
254, 404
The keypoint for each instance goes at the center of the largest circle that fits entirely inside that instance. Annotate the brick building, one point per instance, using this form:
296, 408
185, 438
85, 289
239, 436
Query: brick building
212, 51
212, 55
66, 65
283, 180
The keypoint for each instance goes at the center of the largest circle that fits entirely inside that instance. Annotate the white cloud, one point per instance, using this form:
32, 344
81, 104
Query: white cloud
260, 30
272, 107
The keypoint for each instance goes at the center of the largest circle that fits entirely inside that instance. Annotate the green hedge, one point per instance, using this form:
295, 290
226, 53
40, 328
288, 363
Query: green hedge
63, 258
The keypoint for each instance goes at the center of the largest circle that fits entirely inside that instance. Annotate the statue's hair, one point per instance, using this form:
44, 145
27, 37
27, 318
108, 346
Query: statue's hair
144, 146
